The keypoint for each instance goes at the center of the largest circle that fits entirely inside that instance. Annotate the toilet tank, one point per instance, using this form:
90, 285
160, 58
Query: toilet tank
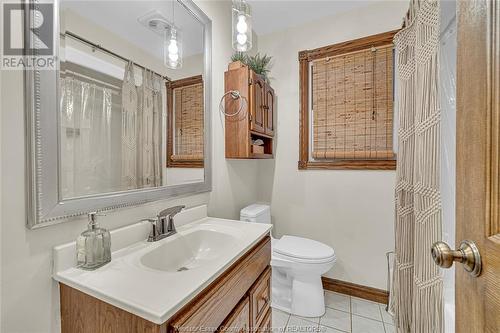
258, 213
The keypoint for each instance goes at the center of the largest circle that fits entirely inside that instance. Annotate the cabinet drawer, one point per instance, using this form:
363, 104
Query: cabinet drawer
209, 310
260, 295
239, 320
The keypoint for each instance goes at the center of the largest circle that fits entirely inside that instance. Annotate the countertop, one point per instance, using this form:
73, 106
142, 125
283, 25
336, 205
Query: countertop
153, 294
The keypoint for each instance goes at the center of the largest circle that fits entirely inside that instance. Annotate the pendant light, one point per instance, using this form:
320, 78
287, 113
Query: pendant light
242, 26
172, 52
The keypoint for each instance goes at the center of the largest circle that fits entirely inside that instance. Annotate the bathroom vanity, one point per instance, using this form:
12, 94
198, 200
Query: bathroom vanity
213, 275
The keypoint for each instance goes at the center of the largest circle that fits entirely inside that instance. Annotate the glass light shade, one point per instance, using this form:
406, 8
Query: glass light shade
172, 49
242, 26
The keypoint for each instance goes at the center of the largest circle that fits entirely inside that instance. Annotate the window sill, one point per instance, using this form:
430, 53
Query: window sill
185, 164
348, 165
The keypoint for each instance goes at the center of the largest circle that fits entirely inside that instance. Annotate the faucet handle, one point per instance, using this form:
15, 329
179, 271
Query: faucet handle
154, 228
150, 219
172, 211
168, 214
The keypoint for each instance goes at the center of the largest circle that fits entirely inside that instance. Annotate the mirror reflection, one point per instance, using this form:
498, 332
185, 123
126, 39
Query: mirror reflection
131, 96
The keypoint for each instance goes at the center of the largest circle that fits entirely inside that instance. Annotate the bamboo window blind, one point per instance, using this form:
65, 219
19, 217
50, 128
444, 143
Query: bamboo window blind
188, 122
352, 105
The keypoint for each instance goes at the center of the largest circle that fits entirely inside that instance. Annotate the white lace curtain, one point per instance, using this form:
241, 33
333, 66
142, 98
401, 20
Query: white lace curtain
417, 293
141, 125
86, 115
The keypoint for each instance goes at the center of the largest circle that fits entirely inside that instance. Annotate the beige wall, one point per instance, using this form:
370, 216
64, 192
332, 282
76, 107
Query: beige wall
352, 211
29, 297
191, 66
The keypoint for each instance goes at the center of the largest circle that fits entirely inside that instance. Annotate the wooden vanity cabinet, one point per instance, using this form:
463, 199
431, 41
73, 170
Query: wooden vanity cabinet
255, 121
239, 320
253, 312
239, 298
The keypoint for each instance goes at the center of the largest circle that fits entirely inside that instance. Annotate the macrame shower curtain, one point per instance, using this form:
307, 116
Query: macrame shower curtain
130, 105
417, 289
149, 166
141, 124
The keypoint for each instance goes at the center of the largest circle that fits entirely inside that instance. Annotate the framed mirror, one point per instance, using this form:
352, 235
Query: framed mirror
124, 117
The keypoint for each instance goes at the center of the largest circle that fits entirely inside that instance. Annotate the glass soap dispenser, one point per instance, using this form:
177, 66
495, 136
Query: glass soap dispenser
93, 245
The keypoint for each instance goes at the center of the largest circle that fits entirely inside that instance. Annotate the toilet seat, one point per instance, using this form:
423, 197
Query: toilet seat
283, 258
303, 250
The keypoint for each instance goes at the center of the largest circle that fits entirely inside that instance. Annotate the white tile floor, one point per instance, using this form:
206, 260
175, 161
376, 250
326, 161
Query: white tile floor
343, 314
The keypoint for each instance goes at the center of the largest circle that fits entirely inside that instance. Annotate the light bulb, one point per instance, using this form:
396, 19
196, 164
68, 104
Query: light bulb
242, 26
172, 47
241, 38
173, 57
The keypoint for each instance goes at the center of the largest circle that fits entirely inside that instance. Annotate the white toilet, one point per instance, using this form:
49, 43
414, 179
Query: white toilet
297, 265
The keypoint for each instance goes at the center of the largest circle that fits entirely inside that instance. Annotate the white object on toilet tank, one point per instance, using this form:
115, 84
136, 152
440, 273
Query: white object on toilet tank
258, 213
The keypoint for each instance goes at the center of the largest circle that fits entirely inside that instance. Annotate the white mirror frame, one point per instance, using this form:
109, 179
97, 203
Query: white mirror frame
45, 205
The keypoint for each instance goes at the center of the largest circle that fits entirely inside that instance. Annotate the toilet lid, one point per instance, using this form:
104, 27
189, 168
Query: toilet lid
303, 248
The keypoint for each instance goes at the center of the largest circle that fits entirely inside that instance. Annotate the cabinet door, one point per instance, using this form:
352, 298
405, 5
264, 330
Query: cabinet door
239, 320
269, 111
257, 105
266, 325
260, 295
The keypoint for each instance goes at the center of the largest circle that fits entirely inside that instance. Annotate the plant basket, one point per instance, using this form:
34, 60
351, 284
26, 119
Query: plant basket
235, 65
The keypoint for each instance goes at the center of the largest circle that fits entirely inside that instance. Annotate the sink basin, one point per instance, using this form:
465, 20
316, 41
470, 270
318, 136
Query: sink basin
184, 252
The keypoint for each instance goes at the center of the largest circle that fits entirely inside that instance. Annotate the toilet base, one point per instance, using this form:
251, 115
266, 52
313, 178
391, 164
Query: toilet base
297, 294
308, 296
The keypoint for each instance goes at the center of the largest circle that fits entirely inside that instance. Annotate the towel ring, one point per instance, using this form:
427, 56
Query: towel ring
235, 94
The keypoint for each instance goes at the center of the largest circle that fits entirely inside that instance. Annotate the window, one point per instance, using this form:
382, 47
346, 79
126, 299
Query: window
185, 123
346, 101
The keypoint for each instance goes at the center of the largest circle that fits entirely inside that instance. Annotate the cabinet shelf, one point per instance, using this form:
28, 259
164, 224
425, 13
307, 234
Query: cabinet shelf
261, 156
256, 121
254, 133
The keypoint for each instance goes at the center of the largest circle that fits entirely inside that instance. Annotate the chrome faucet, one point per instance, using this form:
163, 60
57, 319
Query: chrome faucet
159, 229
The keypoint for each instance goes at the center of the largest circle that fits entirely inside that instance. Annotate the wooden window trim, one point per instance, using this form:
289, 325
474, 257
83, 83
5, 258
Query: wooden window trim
170, 123
305, 57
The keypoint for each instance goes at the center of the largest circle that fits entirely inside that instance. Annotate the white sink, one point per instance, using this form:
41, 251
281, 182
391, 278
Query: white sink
189, 251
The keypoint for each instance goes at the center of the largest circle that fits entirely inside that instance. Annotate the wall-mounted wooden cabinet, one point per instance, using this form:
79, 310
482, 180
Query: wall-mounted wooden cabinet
256, 119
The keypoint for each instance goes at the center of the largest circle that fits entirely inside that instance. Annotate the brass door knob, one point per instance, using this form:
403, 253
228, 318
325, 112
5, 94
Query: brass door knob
467, 254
